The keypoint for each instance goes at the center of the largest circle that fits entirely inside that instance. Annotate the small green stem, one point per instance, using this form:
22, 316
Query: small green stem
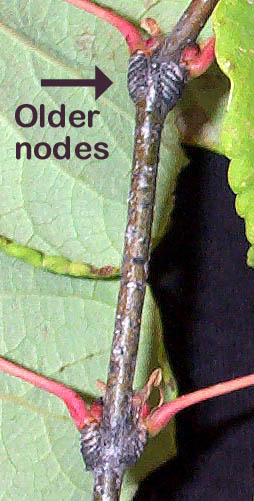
56, 264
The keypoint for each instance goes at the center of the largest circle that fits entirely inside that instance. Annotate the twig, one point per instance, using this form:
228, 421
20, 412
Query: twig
119, 422
189, 25
113, 442
155, 84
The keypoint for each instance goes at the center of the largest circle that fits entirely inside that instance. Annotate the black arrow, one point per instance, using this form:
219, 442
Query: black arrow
101, 82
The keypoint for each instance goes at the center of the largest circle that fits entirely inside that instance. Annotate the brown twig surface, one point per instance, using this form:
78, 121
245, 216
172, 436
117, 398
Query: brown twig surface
122, 439
189, 25
135, 259
118, 421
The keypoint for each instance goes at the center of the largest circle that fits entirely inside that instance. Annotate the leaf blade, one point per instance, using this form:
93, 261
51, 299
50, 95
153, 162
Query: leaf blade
234, 23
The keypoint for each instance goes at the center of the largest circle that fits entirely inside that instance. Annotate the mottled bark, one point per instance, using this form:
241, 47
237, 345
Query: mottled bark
122, 434
127, 436
155, 84
189, 25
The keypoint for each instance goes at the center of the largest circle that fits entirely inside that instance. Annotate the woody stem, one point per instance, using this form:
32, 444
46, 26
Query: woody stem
189, 25
118, 411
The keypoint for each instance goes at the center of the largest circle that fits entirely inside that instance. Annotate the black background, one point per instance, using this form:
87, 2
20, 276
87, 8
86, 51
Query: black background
205, 292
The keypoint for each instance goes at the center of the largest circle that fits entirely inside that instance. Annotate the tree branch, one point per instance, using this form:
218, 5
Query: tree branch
189, 25
155, 85
119, 422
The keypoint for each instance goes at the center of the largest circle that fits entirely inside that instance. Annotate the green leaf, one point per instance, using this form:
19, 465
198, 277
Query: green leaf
73, 208
62, 327
234, 26
40, 447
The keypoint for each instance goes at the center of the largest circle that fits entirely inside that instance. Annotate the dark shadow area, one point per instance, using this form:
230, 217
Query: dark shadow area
206, 295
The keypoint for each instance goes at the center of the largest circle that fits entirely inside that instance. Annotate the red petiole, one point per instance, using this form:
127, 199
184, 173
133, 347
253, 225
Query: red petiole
131, 34
73, 401
197, 58
158, 419
155, 421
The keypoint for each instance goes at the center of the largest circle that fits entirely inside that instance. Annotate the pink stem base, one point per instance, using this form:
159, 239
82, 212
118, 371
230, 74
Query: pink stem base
197, 59
73, 401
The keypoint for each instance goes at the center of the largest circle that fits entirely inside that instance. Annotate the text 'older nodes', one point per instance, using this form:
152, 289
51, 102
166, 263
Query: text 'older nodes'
28, 116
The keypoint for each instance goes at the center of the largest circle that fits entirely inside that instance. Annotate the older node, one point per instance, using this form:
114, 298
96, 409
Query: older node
128, 439
158, 76
137, 75
91, 443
